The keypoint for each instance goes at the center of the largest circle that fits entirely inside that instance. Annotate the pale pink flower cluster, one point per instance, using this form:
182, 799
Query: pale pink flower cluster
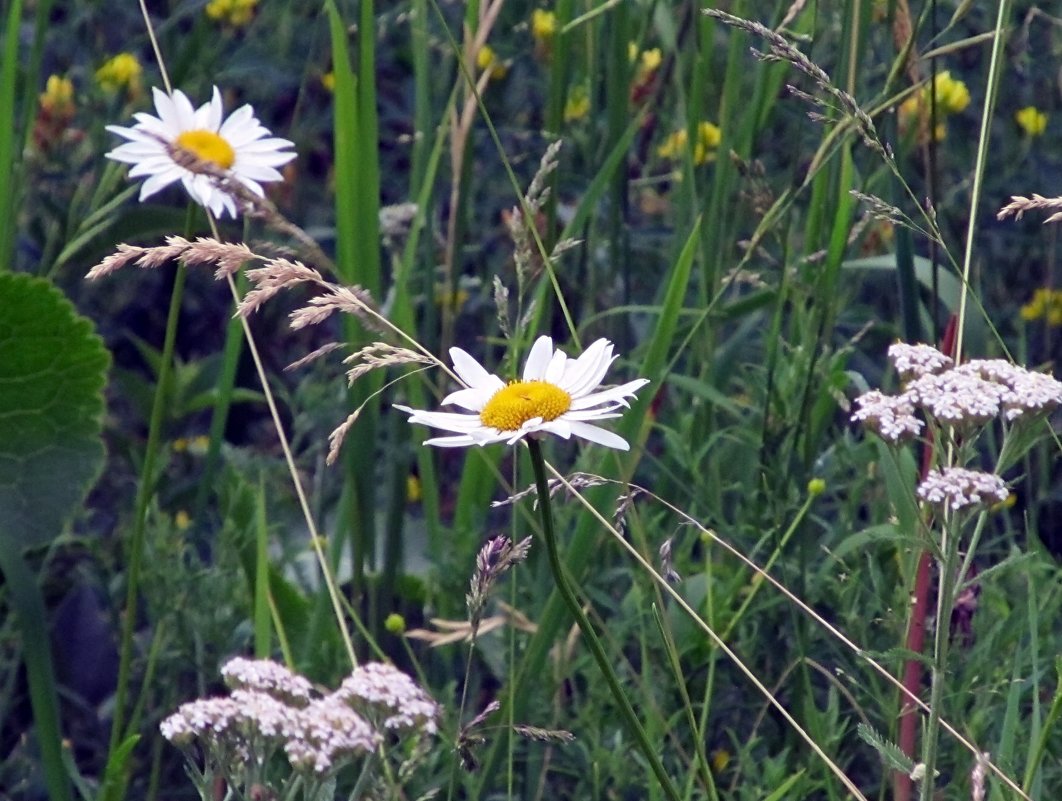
957, 488
890, 417
385, 694
271, 707
954, 396
914, 361
268, 677
329, 734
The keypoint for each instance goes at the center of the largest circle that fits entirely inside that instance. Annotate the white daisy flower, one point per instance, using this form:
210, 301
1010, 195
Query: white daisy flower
555, 395
239, 144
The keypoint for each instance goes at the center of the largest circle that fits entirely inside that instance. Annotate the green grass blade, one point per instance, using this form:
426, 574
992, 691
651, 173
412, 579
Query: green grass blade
8, 133
24, 596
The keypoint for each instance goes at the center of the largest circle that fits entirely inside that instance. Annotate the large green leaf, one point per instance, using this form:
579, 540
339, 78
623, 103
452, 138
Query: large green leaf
52, 371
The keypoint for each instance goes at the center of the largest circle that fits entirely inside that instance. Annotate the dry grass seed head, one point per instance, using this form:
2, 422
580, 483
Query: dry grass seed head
1019, 205
380, 354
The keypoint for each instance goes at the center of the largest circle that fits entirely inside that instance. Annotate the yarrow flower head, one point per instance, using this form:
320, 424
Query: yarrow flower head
914, 361
266, 676
556, 395
238, 145
890, 417
389, 697
957, 397
957, 488
327, 734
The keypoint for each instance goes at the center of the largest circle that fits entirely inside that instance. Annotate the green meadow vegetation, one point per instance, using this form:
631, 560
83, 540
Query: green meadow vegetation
635, 399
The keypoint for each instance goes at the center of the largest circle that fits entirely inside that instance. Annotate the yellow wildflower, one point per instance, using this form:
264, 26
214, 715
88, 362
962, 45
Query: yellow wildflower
182, 520
543, 24
673, 146
57, 99
414, 492
120, 72
1031, 120
577, 105
237, 13
651, 60
328, 81
1046, 304
952, 95
708, 138
720, 759
486, 59
704, 148
816, 487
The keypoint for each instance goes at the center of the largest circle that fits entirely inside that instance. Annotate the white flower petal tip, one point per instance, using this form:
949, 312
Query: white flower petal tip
239, 145
557, 395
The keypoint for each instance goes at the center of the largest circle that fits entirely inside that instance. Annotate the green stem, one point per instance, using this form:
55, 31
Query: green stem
144, 493
538, 464
945, 604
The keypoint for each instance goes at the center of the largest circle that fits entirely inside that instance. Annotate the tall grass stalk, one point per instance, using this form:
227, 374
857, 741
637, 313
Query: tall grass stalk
715, 638
567, 593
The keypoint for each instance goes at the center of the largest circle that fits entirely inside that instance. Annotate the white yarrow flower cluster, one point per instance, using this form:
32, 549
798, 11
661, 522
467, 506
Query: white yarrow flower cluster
272, 708
268, 677
958, 397
914, 361
556, 395
239, 145
328, 734
957, 489
387, 695
891, 417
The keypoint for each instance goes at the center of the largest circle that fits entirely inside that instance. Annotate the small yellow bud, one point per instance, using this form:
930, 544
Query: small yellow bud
413, 489
120, 72
395, 623
1031, 120
543, 24
816, 487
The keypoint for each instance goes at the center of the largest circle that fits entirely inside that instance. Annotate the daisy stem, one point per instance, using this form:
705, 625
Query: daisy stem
538, 464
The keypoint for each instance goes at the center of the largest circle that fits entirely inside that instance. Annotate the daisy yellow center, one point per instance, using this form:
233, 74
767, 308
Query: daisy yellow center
512, 406
208, 146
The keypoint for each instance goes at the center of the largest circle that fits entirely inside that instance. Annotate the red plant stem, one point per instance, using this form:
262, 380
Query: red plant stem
916, 627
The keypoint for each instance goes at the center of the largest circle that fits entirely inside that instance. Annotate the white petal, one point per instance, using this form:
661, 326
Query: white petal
459, 441
472, 398
183, 113
561, 427
448, 421
159, 181
166, 110
468, 369
555, 369
600, 436
254, 172
591, 414
589, 369
611, 395
214, 111
538, 359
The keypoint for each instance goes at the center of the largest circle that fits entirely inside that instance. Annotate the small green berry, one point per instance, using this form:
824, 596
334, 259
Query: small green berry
395, 623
